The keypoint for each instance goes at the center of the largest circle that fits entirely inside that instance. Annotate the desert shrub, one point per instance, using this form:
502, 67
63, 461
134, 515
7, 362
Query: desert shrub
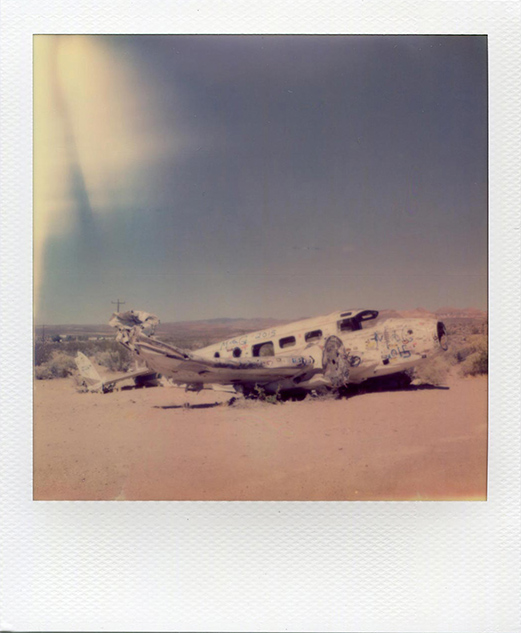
43, 372
476, 362
323, 394
257, 399
114, 360
433, 371
259, 393
436, 369
59, 365
43, 352
478, 342
90, 348
468, 353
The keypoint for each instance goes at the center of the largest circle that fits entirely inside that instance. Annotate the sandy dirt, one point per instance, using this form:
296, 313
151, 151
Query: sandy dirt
143, 444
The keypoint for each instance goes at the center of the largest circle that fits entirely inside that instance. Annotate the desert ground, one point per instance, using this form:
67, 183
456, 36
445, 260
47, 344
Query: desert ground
147, 444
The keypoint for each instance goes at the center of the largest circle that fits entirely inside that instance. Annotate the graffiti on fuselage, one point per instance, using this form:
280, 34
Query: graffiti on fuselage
295, 360
265, 334
234, 342
395, 352
392, 344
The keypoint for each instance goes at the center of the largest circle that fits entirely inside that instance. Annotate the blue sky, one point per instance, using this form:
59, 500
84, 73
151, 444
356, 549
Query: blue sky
238, 176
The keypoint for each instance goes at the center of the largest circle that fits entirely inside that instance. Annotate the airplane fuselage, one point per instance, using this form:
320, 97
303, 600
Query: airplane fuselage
327, 351
374, 347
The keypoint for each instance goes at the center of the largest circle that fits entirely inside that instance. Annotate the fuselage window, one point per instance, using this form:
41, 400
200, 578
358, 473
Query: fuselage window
288, 341
237, 352
263, 349
312, 337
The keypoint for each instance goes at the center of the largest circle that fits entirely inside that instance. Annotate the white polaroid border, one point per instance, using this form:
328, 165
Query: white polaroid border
254, 566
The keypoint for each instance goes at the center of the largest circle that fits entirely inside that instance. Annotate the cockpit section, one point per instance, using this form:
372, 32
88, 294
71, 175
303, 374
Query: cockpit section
352, 322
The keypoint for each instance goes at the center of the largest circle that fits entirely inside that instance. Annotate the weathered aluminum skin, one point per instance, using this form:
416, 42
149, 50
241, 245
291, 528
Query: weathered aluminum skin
331, 351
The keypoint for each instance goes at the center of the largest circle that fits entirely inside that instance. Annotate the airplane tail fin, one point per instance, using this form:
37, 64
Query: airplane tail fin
88, 372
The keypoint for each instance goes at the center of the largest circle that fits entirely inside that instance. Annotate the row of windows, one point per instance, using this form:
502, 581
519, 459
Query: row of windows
267, 348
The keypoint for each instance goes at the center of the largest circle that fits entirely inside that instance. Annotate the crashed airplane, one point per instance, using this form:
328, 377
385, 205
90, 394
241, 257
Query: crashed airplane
326, 353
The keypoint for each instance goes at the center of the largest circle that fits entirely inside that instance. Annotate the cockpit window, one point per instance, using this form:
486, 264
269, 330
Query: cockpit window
348, 325
367, 315
355, 323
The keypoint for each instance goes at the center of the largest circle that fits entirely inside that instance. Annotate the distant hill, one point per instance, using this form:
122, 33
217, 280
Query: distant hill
203, 332
441, 313
389, 314
194, 334
221, 324
461, 313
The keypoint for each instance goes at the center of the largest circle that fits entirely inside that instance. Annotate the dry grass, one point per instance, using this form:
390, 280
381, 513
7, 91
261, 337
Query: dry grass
59, 365
56, 360
467, 354
476, 358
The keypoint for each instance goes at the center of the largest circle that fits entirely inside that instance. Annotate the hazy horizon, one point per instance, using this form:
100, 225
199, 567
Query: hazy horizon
259, 317
200, 177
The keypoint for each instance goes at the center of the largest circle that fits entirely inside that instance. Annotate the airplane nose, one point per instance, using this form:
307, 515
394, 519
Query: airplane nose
443, 339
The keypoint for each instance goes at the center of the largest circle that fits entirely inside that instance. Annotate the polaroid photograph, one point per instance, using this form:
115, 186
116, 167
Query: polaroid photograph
260, 297
260, 267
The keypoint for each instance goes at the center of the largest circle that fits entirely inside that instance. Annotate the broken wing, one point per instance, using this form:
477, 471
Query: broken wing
182, 366
186, 367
